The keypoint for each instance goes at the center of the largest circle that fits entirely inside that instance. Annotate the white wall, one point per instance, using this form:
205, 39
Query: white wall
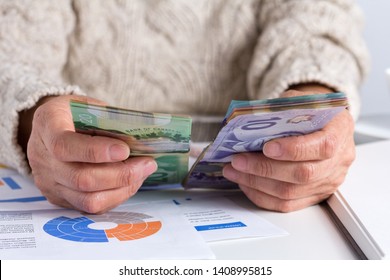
376, 91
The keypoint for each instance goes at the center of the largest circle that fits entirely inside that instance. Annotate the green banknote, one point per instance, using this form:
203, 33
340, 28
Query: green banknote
162, 136
172, 169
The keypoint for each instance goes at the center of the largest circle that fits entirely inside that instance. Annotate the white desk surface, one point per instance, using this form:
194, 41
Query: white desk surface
313, 234
374, 125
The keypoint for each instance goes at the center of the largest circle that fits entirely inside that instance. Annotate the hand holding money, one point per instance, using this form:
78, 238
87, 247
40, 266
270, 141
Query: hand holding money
286, 174
91, 174
297, 171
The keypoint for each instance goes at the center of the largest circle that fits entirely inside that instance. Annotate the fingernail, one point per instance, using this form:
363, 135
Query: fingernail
239, 162
229, 173
272, 149
150, 167
119, 152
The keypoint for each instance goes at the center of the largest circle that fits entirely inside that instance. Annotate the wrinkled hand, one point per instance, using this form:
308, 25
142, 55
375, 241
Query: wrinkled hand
89, 173
295, 172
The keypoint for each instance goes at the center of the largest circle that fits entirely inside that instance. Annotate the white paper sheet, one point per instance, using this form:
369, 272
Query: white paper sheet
131, 231
218, 218
187, 221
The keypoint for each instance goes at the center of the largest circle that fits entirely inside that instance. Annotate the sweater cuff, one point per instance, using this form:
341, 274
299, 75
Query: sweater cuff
11, 153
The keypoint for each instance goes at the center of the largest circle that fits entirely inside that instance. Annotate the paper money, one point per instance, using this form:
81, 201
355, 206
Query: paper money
248, 125
316, 101
162, 136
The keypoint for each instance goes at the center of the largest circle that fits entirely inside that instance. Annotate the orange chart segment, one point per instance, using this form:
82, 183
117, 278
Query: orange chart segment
124, 232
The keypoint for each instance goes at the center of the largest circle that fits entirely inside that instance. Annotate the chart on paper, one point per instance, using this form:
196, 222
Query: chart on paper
123, 226
9, 182
148, 230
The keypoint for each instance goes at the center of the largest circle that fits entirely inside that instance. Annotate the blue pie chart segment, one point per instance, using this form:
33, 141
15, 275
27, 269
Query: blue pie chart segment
75, 229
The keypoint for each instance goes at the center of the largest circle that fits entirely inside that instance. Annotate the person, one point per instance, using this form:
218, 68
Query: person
189, 57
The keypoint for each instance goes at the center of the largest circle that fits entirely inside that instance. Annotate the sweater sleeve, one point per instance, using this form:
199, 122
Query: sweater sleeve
33, 52
309, 41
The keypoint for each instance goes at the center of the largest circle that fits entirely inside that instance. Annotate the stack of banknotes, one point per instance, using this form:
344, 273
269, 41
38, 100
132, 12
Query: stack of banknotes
164, 137
245, 128
248, 125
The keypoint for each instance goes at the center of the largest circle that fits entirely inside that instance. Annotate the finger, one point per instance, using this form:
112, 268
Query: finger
283, 190
276, 188
94, 202
86, 177
297, 173
70, 146
319, 145
73, 198
54, 122
269, 202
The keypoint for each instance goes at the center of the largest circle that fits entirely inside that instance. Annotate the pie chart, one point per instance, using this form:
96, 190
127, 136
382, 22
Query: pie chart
123, 226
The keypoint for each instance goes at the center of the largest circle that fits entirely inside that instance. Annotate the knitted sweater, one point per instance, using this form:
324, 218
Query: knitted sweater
176, 56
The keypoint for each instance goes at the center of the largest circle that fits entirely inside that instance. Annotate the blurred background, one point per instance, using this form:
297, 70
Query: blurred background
376, 90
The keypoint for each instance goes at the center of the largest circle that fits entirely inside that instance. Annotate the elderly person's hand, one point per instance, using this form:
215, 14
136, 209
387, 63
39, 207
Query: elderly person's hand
89, 173
298, 171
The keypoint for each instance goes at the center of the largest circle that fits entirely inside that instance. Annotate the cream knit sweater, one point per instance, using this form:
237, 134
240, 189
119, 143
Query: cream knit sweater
179, 56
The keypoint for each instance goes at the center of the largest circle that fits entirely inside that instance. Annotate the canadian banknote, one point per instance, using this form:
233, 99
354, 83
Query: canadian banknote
164, 137
249, 125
